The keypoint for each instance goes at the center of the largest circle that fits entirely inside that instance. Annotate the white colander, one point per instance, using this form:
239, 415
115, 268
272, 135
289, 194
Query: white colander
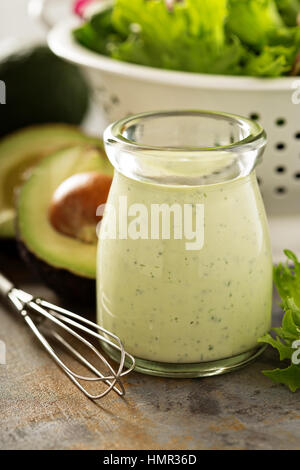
123, 88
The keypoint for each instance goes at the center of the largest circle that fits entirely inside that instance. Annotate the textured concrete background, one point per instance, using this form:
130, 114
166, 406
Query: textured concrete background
41, 409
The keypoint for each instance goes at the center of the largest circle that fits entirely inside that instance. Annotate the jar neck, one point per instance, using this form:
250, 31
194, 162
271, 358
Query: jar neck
190, 148
207, 187
177, 169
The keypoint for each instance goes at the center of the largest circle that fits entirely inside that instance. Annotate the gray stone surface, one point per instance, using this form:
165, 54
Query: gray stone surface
41, 409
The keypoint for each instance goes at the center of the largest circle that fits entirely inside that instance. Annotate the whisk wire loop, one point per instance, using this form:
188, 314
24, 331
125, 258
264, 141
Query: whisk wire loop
36, 312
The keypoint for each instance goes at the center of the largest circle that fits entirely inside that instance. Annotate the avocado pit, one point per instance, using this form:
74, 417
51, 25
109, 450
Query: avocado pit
73, 207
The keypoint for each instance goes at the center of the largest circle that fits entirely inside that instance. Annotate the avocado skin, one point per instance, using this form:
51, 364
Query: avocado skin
8, 245
67, 285
7, 230
41, 88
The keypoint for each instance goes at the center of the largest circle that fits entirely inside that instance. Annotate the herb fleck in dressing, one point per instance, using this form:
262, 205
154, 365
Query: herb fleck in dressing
168, 304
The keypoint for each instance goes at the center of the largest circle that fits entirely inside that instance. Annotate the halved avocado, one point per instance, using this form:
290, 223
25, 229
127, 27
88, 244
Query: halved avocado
66, 264
19, 153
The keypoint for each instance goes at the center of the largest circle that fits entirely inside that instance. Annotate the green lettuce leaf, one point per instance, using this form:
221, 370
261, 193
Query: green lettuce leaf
99, 34
287, 281
254, 21
289, 10
189, 37
271, 62
285, 352
289, 376
287, 278
230, 37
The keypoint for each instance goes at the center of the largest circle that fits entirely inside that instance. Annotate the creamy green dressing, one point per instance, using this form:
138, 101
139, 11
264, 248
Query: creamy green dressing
168, 304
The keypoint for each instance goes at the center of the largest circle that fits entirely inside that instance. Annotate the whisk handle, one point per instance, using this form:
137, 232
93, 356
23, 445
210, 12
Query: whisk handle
5, 286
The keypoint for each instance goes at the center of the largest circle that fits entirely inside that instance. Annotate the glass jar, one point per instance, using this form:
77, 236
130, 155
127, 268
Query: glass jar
184, 260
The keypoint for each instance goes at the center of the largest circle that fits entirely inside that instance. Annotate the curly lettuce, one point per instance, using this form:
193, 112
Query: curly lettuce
289, 10
254, 21
287, 337
189, 37
230, 37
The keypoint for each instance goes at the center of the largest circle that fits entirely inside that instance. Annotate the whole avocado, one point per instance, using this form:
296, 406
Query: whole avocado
41, 88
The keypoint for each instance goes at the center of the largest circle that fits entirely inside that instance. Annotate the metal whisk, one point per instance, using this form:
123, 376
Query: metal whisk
41, 316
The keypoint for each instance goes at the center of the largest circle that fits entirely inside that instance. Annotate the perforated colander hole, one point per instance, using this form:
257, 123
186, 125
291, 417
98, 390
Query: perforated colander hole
281, 190
297, 135
254, 116
280, 169
297, 175
280, 122
280, 146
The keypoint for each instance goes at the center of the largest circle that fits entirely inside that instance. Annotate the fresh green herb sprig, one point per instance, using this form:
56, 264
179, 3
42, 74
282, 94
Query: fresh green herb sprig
287, 337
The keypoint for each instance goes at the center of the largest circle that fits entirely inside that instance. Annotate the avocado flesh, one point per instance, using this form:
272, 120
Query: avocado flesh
35, 232
19, 153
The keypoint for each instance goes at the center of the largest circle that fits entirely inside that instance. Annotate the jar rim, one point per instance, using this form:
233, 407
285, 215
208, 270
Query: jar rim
114, 133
